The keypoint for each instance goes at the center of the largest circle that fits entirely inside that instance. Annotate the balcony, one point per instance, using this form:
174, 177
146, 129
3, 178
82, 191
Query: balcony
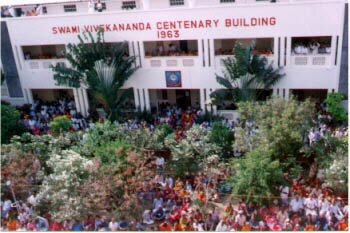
219, 63
311, 60
172, 62
43, 64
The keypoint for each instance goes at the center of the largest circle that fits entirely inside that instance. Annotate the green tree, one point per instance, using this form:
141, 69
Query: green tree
333, 102
10, 125
60, 124
245, 76
279, 124
222, 137
256, 175
102, 67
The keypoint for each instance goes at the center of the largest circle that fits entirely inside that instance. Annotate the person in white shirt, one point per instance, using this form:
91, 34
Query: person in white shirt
160, 162
323, 205
296, 204
311, 206
113, 225
222, 226
170, 181
240, 218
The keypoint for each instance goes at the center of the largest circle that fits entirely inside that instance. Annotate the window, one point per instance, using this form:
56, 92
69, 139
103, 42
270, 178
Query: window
177, 2
43, 52
70, 8
171, 48
226, 1
311, 45
103, 6
126, 5
262, 46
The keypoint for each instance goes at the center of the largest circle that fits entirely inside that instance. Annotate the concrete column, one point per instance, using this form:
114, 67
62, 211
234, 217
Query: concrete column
76, 100
275, 52
145, 4
282, 51
81, 100
275, 94
30, 96
289, 47
209, 109
202, 101
206, 52
212, 53
333, 49
86, 101
287, 94
136, 99
147, 103
191, 3
142, 102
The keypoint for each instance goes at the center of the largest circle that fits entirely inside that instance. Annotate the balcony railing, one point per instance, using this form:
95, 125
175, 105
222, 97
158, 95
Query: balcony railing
43, 64
169, 62
219, 63
311, 60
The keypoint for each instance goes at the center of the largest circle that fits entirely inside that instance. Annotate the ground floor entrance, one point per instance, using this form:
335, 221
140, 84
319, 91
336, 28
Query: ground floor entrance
182, 98
317, 95
49, 95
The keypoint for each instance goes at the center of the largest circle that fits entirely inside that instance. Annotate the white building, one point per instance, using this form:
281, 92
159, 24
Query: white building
203, 32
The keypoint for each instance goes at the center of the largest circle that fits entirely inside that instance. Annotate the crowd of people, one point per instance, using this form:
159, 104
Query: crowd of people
312, 47
199, 202
36, 117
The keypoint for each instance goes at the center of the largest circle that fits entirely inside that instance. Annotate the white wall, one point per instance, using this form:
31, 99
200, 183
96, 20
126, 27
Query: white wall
292, 19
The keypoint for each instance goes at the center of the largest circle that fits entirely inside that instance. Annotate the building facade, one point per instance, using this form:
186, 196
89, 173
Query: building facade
179, 45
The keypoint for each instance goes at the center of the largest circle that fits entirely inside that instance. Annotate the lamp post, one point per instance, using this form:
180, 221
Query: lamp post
8, 183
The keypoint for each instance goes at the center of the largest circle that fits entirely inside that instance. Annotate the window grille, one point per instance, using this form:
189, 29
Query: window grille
70, 8
126, 5
177, 2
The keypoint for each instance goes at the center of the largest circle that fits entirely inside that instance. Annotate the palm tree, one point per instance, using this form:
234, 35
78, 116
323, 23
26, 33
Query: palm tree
99, 66
105, 85
245, 76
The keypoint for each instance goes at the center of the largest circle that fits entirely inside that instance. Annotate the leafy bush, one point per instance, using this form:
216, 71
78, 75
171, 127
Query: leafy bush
61, 191
337, 172
333, 102
60, 124
10, 125
159, 135
279, 124
255, 175
223, 137
107, 152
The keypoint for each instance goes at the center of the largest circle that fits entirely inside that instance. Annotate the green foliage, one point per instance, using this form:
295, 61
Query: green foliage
245, 76
60, 124
333, 102
192, 150
105, 83
256, 175
144, 116
107, 151
102, 67
222, 137
337, 172
159, 135
10, 125
279, 125
43, 145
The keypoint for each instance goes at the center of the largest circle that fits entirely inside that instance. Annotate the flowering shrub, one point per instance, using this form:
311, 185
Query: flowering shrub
338, 170
61, 190
196, 144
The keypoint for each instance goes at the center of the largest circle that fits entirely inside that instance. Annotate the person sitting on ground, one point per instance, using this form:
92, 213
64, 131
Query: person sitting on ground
147, 218
159, 213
